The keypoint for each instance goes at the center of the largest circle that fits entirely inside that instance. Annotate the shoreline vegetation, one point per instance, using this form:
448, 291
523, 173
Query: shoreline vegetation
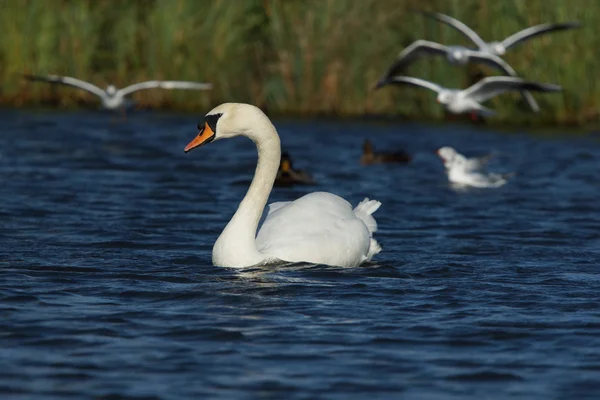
292, 57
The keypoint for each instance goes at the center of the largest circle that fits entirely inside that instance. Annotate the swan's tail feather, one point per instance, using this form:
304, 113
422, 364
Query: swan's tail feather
363, 210
374, 248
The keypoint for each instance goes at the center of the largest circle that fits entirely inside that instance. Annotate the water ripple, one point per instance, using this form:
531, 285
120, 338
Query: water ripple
108, 290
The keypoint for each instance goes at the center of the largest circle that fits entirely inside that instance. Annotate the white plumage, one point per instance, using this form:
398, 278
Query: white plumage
113, 98
468, 100
464, 171
319, 228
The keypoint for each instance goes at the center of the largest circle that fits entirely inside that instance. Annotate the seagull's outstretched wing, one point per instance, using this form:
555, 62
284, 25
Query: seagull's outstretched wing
68, 81
164, 85
493, 86
408, 80
491, 60
498, 63
534, 31
415, 50
479, 163
456, 24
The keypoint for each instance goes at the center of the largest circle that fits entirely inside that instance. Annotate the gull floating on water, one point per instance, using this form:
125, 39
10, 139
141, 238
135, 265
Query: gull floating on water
456, 55
468, 100
451, 157
499, 48
464, 171
113, 98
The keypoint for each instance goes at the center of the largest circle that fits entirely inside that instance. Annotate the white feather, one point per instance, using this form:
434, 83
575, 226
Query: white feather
319, 228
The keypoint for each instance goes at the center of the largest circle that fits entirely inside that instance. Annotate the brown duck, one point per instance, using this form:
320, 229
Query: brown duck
287, 175
369, 156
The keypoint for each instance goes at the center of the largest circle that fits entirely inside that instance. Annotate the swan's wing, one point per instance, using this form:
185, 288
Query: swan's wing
276, 206
534, 31
408, 80
493, 86
319, 227
68, 81
415, 50
456, 24
498, 63
165, 85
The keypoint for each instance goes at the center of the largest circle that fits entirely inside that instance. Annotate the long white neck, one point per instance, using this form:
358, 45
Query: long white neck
236, 246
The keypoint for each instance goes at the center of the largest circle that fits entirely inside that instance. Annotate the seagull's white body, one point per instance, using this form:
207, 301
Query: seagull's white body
113, 98
452, 158
457, 102
319, 228
464, 171
461, 177
469, 100
457, 55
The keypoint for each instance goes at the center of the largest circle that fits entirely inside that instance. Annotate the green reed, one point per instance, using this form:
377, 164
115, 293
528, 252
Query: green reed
291, 56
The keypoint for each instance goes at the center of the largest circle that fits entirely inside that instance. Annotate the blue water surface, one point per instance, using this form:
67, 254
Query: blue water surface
107, 289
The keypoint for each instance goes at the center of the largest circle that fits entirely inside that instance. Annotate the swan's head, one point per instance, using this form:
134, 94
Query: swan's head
447, 154
111, 90
497, 48
444, 97
229, 120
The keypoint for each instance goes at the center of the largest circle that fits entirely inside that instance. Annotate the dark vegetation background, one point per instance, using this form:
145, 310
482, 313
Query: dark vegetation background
301, 57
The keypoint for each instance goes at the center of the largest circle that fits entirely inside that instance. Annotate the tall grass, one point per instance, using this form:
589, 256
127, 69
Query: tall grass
291, 56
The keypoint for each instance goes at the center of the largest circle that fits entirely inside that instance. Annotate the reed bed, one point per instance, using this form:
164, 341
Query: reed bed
301, 57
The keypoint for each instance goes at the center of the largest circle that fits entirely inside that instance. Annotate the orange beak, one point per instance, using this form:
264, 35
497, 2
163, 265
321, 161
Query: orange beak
206, 135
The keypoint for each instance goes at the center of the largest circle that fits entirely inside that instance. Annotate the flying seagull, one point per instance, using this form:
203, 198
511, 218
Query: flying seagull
468, 100
499, 48
113, 98
459, 171
456, 55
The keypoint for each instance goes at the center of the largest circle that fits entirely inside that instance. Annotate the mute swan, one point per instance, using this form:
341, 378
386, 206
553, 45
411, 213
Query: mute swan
287, 175
369, 156
467, 100
319, 228
113, 98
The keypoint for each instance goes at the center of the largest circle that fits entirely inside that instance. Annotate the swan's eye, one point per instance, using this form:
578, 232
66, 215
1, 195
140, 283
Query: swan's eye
200, 127
211, 121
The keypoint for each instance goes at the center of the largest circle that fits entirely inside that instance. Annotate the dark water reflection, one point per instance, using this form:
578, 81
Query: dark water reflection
107, 288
